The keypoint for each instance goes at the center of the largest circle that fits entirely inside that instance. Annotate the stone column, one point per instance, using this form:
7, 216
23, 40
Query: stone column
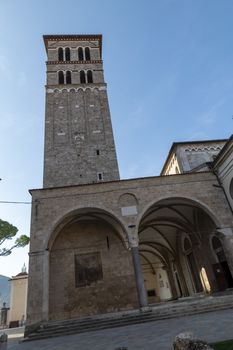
142, 295
170, 276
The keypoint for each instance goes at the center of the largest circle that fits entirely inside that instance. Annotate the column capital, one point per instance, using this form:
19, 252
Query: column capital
133, 236
133, 242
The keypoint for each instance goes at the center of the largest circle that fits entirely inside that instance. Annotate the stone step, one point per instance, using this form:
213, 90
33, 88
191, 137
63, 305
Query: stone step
165, 309
150, 314
142, 318
67, 327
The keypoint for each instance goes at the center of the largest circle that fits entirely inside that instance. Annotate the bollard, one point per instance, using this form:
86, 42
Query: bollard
3, 338
3, 341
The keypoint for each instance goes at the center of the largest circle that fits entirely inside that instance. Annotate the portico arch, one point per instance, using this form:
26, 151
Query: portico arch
179, 229
189, 200
90, 267
93, 212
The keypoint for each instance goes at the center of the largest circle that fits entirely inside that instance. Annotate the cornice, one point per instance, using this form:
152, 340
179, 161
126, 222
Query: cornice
73, 37
54, 86
74, 62
50, 89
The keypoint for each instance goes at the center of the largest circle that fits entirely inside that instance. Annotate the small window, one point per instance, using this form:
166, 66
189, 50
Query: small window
100, 176
87, 54
80, 54
60, 77
67, 54
68, 77
89, 77
60, 54
82, 77
151, 293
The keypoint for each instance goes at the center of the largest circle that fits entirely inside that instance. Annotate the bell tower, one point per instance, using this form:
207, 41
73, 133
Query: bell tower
79, 143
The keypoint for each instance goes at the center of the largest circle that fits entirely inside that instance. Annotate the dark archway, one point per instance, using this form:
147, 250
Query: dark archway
68, 77
61, 79
60, 54
221, 268
89, 77
80, 54
67, 54
82, 77
87, 54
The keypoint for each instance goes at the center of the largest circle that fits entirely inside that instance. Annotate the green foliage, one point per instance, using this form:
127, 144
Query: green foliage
225, 345
22, 241
7, 232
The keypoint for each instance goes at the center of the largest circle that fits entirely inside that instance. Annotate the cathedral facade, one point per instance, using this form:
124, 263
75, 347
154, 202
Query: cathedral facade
100, 244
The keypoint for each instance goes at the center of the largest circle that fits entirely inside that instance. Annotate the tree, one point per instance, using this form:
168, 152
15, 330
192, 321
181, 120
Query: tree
7, 232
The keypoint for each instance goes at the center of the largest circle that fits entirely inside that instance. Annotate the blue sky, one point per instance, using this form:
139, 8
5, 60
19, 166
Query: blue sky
169, 69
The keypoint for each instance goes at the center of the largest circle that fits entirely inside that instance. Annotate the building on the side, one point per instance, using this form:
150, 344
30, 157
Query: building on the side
4, 300
18, 299
192, 156
13, 293
99, 244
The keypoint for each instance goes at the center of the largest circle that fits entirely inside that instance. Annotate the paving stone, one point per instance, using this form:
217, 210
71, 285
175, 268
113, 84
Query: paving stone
157, 335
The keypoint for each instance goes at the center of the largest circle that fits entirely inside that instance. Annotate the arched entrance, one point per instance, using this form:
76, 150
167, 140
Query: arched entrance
221, 269
90, 266
176, 254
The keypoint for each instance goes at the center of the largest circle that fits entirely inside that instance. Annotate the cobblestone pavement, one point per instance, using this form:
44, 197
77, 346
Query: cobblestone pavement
157, 335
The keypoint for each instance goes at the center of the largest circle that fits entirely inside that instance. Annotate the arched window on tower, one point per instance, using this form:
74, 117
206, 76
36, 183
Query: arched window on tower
87, 54
67, 53
68, 77
82, 77
89, 76
60, 77
60, 54
80, 54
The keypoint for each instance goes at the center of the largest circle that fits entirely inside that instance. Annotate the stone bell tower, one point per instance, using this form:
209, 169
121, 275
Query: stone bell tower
79, 143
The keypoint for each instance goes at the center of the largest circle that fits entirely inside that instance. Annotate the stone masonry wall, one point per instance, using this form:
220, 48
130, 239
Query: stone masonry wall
78, 147
52, 207
115, 291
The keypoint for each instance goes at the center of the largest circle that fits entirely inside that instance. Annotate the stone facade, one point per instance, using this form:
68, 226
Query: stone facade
61, 217
191, 156
104, 246
18, 302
